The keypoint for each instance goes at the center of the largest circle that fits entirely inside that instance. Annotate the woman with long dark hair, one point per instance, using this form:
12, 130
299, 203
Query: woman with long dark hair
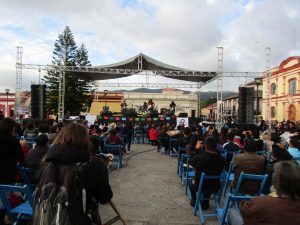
71, 148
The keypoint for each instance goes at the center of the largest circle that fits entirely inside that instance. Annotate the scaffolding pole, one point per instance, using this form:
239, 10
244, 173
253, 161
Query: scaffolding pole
199, 99
18, 78
220, 85
268, 87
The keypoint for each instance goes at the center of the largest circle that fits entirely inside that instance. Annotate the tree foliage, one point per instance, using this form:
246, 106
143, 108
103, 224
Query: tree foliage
66, 52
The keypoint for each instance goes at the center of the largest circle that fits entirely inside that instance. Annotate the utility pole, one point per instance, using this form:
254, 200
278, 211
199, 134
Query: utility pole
18, 79
220, 85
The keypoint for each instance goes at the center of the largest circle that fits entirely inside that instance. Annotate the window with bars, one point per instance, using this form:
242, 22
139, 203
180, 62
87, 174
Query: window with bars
273, 112
292, 86
273, 89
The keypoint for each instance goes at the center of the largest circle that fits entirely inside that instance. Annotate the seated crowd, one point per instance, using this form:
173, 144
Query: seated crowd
275, 152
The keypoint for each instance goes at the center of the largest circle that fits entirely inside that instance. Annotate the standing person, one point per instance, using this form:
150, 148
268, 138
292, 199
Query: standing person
123, 106
11, 151
70, 148
151, 105
128, 133
211, 163
153, 135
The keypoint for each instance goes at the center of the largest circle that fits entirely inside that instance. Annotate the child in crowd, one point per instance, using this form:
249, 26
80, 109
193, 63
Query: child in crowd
153, 135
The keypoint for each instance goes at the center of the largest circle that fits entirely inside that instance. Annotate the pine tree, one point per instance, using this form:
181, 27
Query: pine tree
66, 52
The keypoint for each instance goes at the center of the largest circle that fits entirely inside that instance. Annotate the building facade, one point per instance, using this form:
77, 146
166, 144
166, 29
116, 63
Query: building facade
186, 102
281, 95
7, 104
100, 100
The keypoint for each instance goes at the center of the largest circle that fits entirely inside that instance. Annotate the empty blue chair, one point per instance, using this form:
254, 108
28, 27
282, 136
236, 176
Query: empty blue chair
253, 177
22, 211
116, 150
214, 196
231, 201
138, 137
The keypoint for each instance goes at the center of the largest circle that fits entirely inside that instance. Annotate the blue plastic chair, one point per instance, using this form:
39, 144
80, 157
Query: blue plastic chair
229, 178
181, 151
214, 196
230, 202
139, 137
24, 174
244, 176
262, 152
110, 148
184, 168
22, 211
30, 142
189, 174
171, 146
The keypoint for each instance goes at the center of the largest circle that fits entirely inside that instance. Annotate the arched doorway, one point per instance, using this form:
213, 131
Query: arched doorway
292, 113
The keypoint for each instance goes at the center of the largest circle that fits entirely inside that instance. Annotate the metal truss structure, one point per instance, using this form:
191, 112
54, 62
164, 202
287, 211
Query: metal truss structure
166, 73
62, 69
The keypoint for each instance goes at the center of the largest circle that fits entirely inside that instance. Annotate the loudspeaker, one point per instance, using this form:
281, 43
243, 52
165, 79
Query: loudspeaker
182, 115
38, 101
246, 105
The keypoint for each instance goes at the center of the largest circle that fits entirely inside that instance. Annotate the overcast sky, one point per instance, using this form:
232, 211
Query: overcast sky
183, 33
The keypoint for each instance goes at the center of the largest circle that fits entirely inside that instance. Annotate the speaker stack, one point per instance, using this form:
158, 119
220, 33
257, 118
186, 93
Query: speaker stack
38, 101
246, 105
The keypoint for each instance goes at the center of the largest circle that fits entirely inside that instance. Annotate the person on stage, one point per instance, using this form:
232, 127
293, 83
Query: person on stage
123, 106
150, 105
145, 106
172, 107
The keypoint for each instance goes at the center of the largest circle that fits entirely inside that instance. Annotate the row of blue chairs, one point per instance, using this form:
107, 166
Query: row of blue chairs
236, 195
23, 211
185, 172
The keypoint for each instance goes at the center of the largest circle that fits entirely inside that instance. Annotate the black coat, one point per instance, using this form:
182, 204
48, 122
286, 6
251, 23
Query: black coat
210, 164
11, 152
95, 175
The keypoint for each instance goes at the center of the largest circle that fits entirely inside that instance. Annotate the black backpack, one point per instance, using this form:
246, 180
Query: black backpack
60, 196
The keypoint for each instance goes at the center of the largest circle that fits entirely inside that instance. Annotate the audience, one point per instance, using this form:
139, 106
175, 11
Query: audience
35, 156
248, 162
280, 208
11, 151
211, 163
294, 148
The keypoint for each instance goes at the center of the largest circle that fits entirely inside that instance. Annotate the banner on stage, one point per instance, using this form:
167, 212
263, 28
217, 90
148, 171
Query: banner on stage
182, 121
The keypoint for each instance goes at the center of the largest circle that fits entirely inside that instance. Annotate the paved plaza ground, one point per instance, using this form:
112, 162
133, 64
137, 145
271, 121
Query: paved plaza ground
148, 191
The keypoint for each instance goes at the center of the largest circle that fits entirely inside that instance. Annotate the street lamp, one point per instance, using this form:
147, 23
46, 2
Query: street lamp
257, 81
105, 94
7, 92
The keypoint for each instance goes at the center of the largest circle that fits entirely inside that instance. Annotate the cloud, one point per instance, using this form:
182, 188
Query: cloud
180, 33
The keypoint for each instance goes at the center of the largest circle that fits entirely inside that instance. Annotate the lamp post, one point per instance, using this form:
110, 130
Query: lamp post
7, 92
257, 83
105, 94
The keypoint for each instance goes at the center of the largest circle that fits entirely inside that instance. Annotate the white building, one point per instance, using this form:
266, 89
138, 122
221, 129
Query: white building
186, 102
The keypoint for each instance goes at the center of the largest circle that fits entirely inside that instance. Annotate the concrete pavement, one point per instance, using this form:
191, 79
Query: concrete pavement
148, 191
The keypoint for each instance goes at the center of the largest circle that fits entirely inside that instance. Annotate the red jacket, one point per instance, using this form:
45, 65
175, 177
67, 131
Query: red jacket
153, 134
